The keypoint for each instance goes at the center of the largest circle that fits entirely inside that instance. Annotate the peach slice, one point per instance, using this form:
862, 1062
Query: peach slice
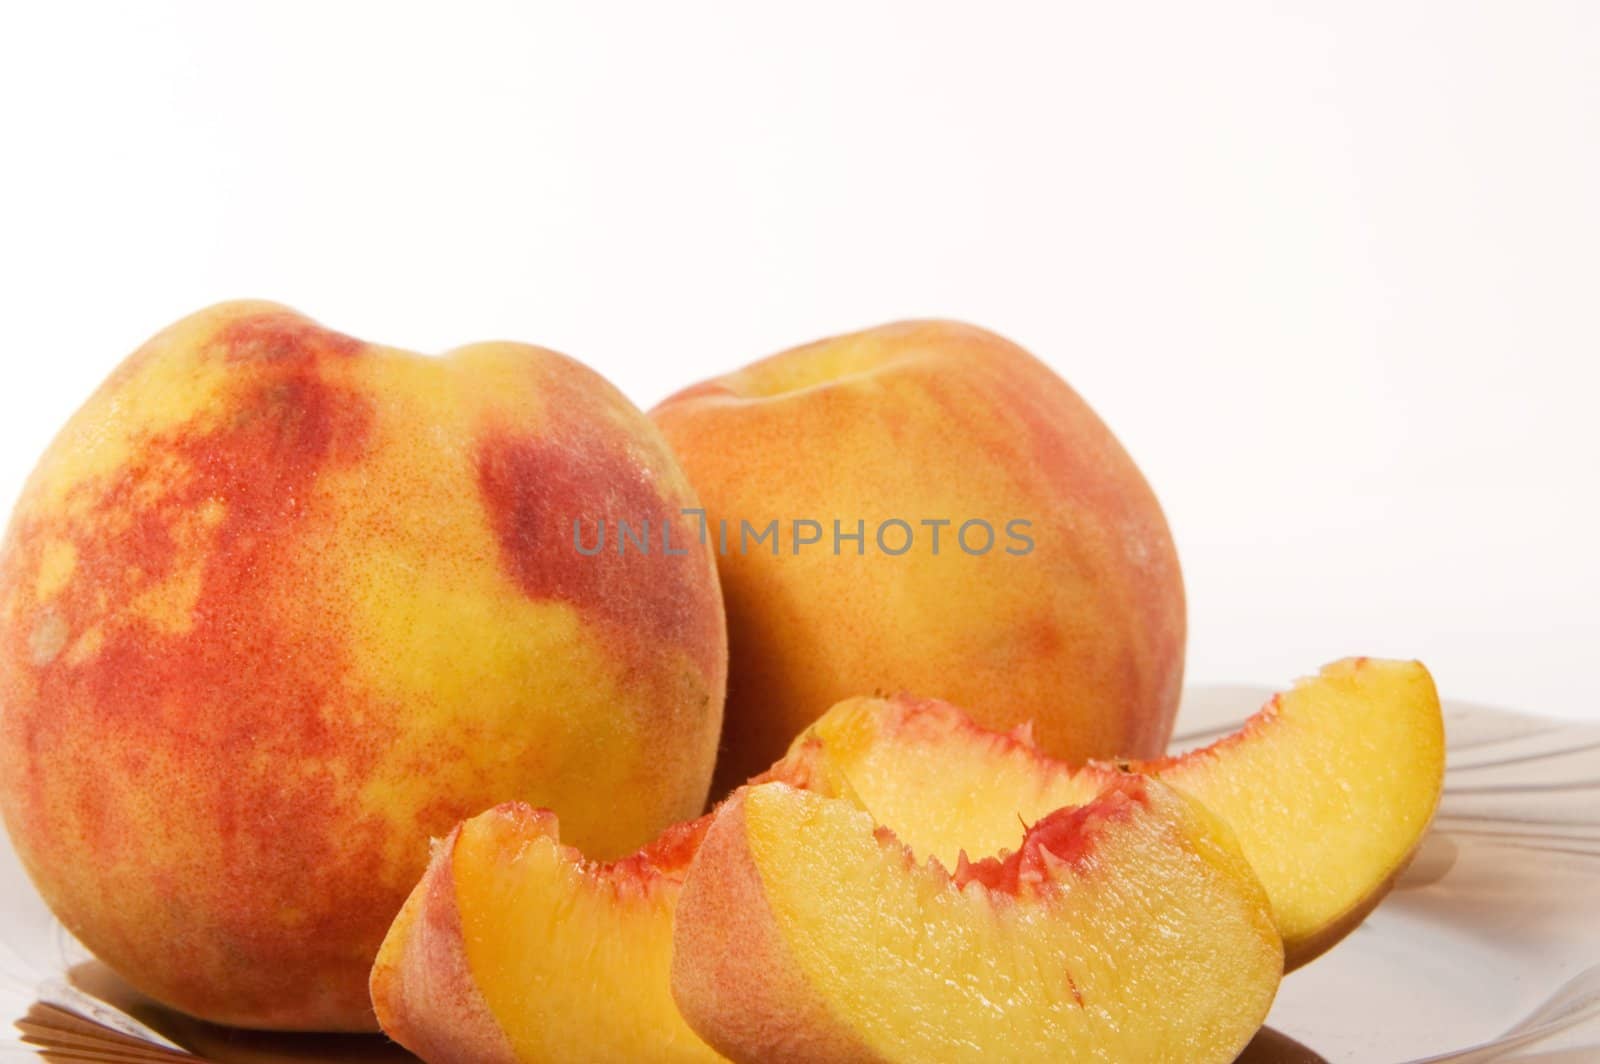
516, 948
1131, 928
1329, 789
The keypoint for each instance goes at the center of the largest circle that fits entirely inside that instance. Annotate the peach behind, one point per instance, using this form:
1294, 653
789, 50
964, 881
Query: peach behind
925, 421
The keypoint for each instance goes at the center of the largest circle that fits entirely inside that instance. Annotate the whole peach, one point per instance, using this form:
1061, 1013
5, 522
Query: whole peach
279, 605
952, 520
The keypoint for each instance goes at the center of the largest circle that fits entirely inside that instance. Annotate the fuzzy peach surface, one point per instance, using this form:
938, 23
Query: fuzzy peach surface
930, 421
278, 604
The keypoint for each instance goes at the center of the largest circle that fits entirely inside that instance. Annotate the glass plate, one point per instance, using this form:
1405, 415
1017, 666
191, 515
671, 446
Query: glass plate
1488, 949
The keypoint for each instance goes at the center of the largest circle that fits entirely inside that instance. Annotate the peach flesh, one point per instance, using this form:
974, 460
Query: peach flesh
1131, 929
514, 947
1329, 789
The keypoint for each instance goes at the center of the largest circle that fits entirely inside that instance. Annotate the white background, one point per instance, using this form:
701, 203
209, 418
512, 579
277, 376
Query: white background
1332, 272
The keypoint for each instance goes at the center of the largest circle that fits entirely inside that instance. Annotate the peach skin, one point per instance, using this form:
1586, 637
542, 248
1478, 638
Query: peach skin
1011, 557
278, 605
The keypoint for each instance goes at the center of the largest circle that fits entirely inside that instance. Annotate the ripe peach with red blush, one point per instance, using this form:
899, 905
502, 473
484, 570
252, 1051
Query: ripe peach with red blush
279, 604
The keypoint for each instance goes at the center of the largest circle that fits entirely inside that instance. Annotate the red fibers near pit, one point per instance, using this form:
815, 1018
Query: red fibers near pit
667, 855
675, 847
1068, 835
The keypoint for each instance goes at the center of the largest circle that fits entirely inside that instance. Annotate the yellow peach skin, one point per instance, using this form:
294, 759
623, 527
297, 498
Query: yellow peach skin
279, 605
1082, 633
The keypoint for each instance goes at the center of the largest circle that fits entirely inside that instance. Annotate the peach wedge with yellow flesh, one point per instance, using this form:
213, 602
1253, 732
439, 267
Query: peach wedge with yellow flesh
1130, 928
514, 948
1329, 789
